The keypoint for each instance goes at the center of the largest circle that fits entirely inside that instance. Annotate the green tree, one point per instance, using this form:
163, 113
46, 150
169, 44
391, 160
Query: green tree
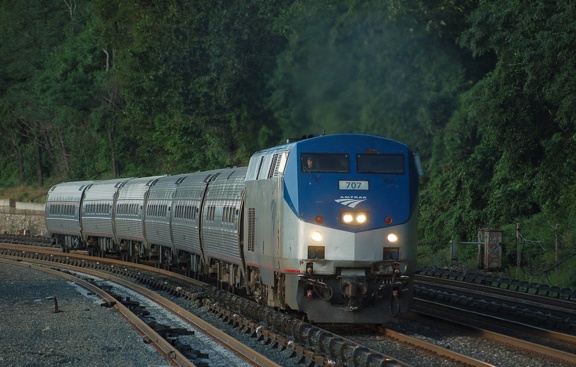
507, 154
366, 67
30, 30
193, 80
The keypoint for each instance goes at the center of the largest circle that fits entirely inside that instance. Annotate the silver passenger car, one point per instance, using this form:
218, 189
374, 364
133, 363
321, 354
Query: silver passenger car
63, 212
160, 210
98, 213
221, 214
186, 217
129, 214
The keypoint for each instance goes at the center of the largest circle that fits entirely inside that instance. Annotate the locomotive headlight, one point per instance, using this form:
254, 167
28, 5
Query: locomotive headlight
347, 218
354, 218
392, 238
316, 236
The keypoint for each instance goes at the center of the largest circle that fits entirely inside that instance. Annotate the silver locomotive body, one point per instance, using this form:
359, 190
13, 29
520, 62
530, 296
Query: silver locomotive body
334, 239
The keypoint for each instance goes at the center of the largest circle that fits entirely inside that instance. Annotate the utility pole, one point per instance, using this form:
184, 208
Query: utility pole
518, 250
557, 226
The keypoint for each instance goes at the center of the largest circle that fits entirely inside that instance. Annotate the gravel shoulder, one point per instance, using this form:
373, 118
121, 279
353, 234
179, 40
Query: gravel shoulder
82, 333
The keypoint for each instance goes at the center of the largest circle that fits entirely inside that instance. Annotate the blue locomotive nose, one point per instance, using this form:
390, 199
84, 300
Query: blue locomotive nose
351, 200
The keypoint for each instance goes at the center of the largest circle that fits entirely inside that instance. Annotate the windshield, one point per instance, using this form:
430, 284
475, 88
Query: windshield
325, 162
380, 163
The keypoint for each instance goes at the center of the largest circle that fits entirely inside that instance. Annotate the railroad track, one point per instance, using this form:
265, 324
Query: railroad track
163, 346
525, 308
165, 340
523, 320
303, 342
311, 345
550, 346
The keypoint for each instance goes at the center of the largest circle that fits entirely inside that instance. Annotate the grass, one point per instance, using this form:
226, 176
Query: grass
27, 194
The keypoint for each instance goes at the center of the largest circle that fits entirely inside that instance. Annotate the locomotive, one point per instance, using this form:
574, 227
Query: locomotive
324, 226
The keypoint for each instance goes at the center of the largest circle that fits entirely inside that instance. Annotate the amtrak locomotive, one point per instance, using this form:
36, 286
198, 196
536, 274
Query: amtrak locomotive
325, 226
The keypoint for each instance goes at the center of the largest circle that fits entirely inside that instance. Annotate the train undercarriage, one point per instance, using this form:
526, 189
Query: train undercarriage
353, 296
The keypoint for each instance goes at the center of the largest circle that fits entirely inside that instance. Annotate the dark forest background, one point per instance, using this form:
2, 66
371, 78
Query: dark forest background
484, 91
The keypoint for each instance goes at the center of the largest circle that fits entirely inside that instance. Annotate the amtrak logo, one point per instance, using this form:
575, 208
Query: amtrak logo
350, 201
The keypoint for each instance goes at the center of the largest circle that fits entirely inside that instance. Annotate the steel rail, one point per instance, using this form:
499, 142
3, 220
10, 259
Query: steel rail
500, 293
338, 345
426, 308
82, 255
485, 293
329, 346
469, 361
240, 349
243, 351
163, 346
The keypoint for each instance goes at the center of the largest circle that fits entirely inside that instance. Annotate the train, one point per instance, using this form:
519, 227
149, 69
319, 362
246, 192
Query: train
324, 226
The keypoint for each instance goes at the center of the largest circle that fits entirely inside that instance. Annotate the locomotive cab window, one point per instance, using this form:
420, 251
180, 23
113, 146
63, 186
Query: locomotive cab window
325, 163
380, 163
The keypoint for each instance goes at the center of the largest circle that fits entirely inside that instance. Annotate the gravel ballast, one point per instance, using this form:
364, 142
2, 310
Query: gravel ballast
82, 333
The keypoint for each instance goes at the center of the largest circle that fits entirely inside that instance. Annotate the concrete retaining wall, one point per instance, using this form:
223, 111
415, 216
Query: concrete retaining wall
20, 218
30, 206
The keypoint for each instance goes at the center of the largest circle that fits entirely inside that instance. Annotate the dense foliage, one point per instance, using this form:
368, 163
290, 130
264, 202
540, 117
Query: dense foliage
485, 91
